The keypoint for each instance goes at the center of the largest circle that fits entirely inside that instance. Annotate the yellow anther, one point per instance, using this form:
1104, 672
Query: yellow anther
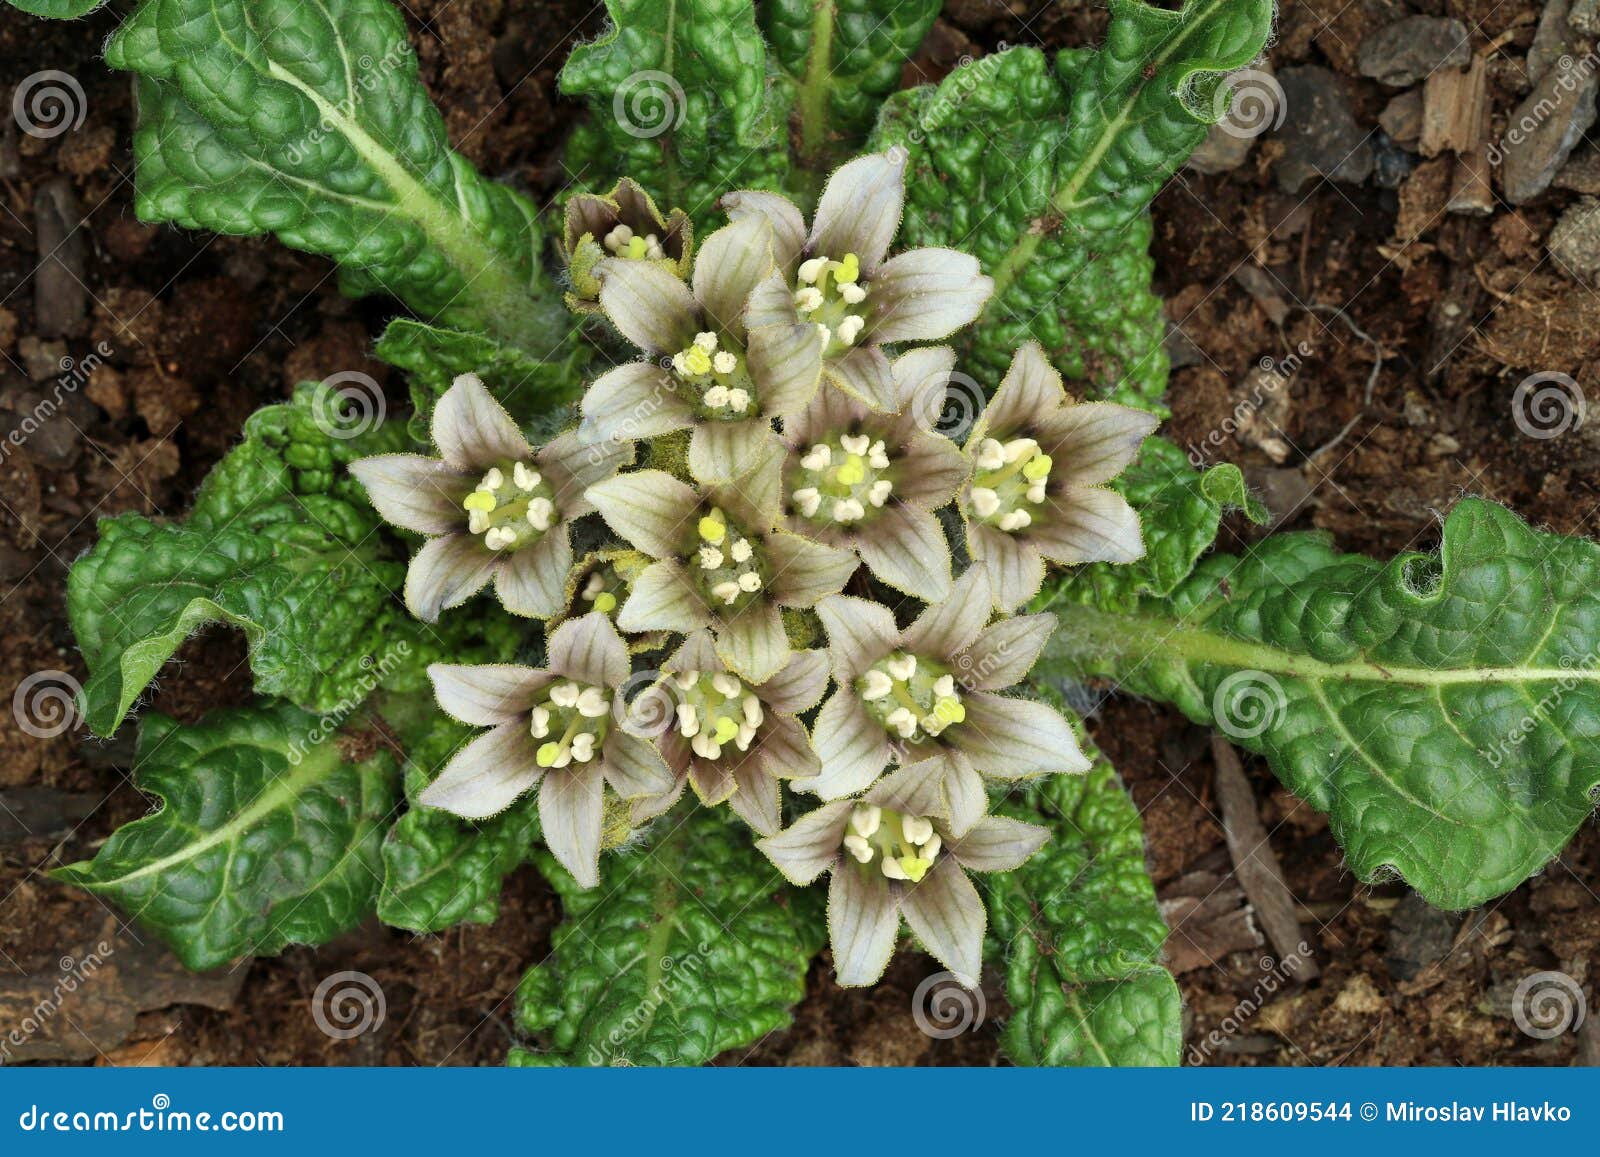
548, 753
845, 272
1037, 467
726, 729
637, 247
480, 500
713, 529
605, 602
915, 867
950, 710
696, 360
853, 470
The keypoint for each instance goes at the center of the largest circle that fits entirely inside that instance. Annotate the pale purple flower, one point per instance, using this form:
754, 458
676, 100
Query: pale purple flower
554, 728
626, 224
927, 695
835, 277
892, 854
730, 739
490, 505
1038, 489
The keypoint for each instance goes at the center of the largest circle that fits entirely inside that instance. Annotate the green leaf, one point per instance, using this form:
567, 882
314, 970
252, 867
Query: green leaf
1443, 710
57, 9
282, 544
1081, 932
842, 57
678, 98
530, 388
1180, 509
692, 945
439, 870
308, 121
1046, 175
267, 835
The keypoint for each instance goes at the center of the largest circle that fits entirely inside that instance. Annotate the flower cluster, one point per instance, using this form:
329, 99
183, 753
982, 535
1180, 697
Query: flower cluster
781, 548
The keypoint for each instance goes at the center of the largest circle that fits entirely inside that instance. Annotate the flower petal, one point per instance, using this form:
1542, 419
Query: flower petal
859, 211
649, 508
648, 305
965, 793
949, 626
662, 599
574, 465
947, 915
422, 495
447, 572
863, 923
1091, 442
532, 581
798, 686
1012, 562
486, 694
853, 747
754, 500
922, 381
636, 400
807, 847
589, 650
926, 294
788, 226
698, 652
756, 797
932, 469
829, 411
644, 810
1030, 392
753, 643
786, 366
804, 571
720, 452
771, 303
487, 775
906, 548
712, 781
570, 814
473, 431
998, 844
863, 373
860, 632
786, 750
1088, 525
1015, 738
634, 768
917, 789
729, 265
1003, 654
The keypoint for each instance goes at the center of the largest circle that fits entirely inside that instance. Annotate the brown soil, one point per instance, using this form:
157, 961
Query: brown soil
218, 326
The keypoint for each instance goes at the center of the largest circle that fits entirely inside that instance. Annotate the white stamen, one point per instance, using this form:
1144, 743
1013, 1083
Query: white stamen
916, 828
681, 364
1016, 520
724, 362
855, 443
617, 240
753, 715
880, 491
991, 455
740, 550
686, 679
745, 736
749, 581
592, 703
854, 293
827, 334
705, 746
811, 270
652, 247
902, 721
706, 340
583, 747
1036, 493
902, 667
930, 846
726, 591
477, 521
859, 848
710, 558
1020, 448
848, 510
876, 685
541, 513
892, 869
493, 480
688, 720
865, 819
984, 501
565, 694
850, 329
808, 299
878, 457
807, 500
540, 725
725, 685
819, 457
525, 478
944, 687
739, 400
716, 397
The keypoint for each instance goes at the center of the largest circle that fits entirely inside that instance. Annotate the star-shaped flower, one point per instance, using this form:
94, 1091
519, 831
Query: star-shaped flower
1037, 491
623, 223
490, 505
554, 728
835, 277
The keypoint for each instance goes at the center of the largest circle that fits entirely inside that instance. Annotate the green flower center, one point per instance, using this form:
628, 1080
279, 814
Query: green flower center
831, 295
624, 242
913, 698
904, 847
512, 507
730, 569
841, 481
715, 710
572, 719
719, 379
1010, 479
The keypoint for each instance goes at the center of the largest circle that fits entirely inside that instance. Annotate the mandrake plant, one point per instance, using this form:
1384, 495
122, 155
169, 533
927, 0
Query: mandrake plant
759, 507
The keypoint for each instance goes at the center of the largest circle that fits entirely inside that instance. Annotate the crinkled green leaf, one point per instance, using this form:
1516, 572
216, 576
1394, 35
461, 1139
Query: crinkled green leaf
439, 870
280, 543
1046, 175
1443, 710
691, 945
678, 98
57, 9
1180, 509
308, 121
267, 835
842, 57
1081, 933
